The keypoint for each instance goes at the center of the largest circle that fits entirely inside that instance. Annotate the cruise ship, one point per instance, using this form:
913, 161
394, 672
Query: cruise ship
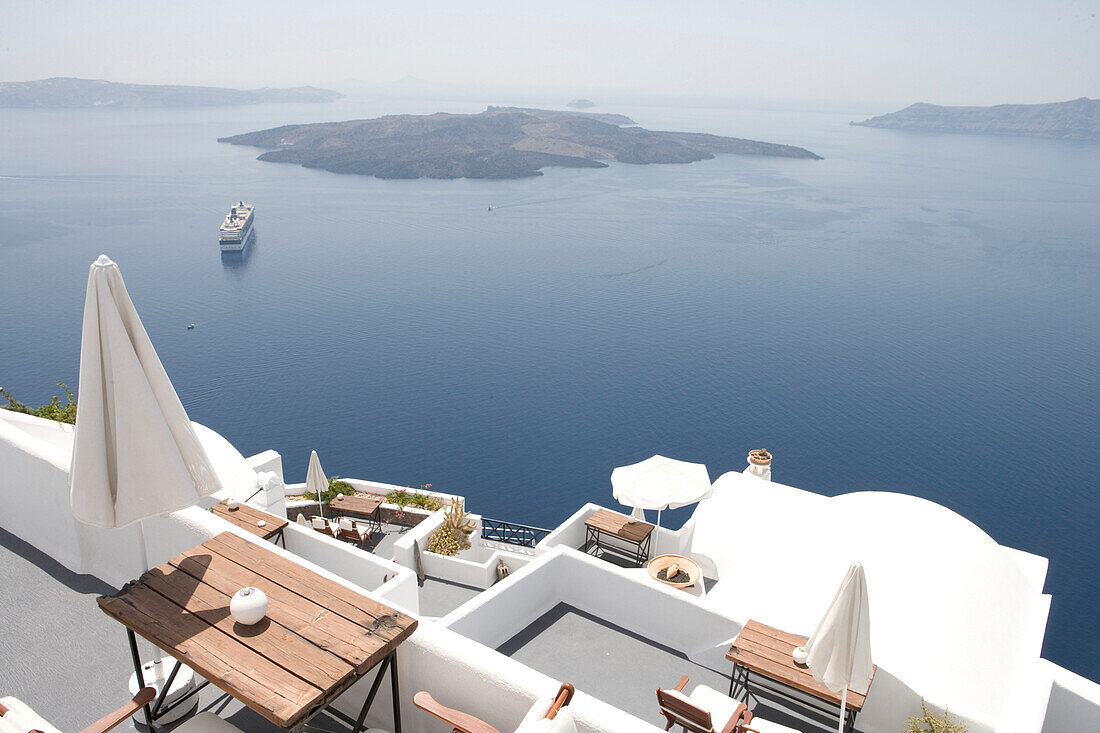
237, 227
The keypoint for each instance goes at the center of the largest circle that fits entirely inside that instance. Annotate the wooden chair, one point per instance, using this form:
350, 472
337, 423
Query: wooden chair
321, 525
355, 532
16, 715
705, 710
553, 709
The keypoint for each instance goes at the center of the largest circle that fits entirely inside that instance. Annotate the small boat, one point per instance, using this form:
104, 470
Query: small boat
490, 207
190, 326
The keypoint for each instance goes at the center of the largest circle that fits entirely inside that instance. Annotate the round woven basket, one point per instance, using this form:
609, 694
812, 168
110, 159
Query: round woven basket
662, 562
760, 457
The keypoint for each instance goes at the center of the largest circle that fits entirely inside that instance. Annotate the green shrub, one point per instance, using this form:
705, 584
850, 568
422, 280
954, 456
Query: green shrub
335, 487
52, 410
932, 722
403, 498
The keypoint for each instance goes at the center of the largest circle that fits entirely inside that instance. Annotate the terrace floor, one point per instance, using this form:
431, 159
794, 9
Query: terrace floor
440, 597
624, 669
63, 656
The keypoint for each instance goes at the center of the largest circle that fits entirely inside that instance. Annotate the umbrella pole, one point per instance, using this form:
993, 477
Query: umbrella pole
843, 707
144, 569
141, 543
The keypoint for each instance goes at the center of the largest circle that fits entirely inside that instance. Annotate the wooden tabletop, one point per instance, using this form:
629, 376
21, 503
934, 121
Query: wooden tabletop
619, 525
248, 518
361, 504
767, 651
318, 639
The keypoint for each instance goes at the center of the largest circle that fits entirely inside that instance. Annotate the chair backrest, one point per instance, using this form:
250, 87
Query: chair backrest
302, 520
346, 524
680, 710
320, 523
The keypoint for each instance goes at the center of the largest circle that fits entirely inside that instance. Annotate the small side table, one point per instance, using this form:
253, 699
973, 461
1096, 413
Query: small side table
248, 518
632, 537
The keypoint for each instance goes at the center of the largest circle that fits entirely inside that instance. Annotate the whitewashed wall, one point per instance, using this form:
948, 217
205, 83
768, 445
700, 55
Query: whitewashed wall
572, 533
617, 596
463, 674
393, 582
474, 567
1073, 703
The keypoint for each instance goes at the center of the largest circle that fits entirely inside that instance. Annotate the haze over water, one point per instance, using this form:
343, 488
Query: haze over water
915, 313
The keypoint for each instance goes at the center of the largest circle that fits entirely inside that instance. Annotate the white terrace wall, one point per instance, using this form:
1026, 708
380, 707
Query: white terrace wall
474, 567
1073, 703
392, 582
617, 596
572, 533
464, 674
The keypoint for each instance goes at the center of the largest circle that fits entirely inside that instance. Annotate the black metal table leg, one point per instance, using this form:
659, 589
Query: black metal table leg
164, 691
140, 675
396, 693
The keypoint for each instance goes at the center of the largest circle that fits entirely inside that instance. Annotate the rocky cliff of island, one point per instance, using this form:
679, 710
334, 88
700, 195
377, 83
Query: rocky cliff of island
1078, 119
65, 92
501, 142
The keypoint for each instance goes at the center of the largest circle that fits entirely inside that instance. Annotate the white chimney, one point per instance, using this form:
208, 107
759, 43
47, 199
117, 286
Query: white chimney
760, 464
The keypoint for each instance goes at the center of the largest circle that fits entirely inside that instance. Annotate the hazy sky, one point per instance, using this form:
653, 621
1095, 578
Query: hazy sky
938, 51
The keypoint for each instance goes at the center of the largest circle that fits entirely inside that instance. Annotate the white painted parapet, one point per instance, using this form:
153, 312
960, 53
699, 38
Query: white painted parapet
474, 567
396, 584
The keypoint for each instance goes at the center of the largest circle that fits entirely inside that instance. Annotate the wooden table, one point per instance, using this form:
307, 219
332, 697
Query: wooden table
248, 519
359, 505
766, 652
318, 639
606, 523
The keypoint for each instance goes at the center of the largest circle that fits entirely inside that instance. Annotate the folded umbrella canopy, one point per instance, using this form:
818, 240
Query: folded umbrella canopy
661, 483
839, 652
135, 452
316, 481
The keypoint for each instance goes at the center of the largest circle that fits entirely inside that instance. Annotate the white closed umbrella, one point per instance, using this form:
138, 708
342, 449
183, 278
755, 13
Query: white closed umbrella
839, 652
659, 483
135, 452
316, 481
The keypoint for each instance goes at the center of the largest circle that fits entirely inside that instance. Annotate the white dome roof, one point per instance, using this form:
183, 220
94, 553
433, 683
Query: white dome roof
952, 614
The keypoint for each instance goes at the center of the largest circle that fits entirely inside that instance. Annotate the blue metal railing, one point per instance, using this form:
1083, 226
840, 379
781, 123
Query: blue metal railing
511, 533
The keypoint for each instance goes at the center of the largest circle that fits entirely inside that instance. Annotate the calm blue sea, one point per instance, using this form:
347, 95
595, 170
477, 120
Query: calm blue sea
915, 313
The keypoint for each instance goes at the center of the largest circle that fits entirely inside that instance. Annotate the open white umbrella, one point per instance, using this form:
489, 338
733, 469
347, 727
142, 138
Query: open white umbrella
316, 481
135, 453
839, 652
660, 483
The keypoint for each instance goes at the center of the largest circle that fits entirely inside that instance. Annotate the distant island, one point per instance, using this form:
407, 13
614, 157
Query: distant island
68, 92
581, 104
501, 142
1078, 119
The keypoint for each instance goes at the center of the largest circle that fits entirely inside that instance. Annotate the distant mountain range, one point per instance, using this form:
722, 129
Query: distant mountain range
68, 92
1078, 119
501, 142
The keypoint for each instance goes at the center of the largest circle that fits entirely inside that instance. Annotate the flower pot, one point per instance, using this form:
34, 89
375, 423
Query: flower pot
760, 457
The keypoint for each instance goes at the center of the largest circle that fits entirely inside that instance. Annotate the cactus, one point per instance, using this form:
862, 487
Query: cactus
453, 535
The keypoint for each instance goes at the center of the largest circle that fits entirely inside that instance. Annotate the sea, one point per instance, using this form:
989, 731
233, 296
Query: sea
917, 312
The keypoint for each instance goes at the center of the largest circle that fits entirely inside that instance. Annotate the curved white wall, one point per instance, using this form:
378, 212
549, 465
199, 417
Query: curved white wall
952, 615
